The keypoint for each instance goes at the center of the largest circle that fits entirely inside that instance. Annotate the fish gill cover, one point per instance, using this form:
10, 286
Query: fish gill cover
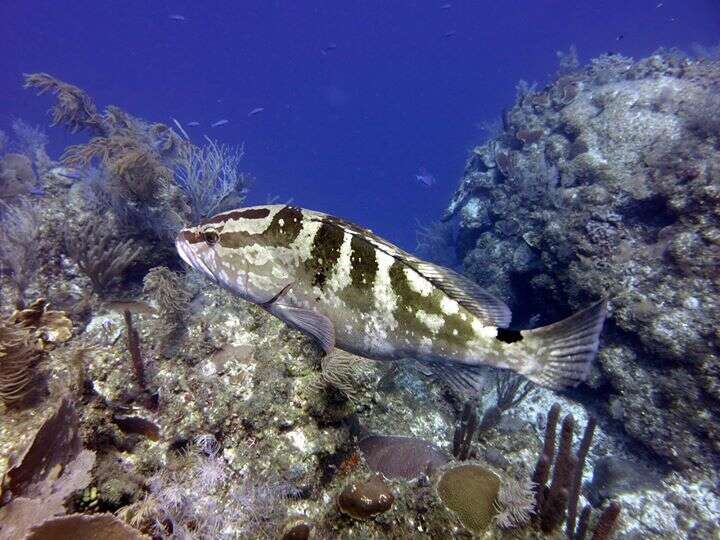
139, 399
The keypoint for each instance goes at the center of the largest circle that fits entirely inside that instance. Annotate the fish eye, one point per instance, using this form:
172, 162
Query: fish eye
210, 236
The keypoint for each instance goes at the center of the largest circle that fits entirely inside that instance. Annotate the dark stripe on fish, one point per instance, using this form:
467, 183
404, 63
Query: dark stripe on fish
282, 231
284, 228
191, 237
409, 302
454, 331
325, 253
363, 270
363, 263
249, 213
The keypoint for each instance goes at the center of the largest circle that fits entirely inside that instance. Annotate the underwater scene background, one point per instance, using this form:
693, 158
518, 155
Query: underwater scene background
554, 153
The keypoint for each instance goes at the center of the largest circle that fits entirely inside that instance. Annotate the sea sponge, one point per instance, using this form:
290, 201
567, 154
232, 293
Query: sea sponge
401, 457
471, 492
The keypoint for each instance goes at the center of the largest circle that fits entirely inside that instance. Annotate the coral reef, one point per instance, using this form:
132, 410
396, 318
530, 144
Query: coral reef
604, 183
24, 339
50, 470
246, 430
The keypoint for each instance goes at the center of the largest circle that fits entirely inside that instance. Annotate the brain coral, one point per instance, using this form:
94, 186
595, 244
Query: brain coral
470, 491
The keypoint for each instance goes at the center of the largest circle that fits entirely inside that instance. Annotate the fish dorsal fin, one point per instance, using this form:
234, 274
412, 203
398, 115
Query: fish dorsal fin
485, 306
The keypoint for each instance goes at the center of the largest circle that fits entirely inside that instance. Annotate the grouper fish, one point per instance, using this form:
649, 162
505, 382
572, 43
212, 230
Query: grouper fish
355, 292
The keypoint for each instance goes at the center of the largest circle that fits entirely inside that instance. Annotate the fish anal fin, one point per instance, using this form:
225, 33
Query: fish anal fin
487, 307
309, 321
464, 379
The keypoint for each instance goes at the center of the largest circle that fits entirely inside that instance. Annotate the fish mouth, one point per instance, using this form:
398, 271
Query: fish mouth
183, 250
187, 255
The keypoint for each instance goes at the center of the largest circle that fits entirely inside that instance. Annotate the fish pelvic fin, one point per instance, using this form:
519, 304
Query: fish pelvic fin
560, 354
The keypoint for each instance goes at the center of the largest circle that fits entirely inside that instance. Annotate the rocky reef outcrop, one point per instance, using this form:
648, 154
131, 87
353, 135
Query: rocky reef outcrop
606, 183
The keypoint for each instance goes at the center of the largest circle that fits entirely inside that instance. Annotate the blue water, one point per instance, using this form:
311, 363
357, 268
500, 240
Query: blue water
345, 130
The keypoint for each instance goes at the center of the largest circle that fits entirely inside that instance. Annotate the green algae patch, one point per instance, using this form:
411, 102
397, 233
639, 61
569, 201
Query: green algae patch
470, 491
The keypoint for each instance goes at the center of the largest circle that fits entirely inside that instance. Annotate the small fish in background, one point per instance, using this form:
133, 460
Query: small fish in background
193, 124
182, 130
256, 110
425, 178
446, 6
177, 17
620, 37
220, 122
329, 47
70, 175
450, 34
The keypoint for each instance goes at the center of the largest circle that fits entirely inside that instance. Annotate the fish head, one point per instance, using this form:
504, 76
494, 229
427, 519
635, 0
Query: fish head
239, 251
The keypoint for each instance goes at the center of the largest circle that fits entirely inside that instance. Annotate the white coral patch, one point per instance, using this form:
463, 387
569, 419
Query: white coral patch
417, 283
298, 439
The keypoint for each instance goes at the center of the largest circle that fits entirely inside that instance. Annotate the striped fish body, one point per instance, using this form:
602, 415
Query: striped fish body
355, 291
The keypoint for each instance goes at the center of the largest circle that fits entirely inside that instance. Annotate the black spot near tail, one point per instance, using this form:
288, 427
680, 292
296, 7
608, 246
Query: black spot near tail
509, 336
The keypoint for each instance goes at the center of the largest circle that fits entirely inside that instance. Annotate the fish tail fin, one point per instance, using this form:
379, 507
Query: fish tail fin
561, 353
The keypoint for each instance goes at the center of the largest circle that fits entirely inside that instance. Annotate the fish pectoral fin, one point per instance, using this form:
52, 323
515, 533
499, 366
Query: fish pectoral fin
309, 321
277, 297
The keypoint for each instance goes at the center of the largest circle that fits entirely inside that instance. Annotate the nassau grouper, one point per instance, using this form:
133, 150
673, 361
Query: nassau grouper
356, 292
